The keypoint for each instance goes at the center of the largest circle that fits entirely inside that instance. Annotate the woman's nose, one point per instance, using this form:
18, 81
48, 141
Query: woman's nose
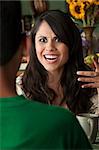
50, 46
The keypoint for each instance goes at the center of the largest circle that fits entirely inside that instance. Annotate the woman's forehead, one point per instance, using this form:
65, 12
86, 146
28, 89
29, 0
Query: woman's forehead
45, 29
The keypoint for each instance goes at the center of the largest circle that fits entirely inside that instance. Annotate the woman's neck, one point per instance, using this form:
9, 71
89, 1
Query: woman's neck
54, 83
54, 79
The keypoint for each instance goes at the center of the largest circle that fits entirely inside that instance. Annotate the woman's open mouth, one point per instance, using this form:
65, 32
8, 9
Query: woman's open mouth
51, 58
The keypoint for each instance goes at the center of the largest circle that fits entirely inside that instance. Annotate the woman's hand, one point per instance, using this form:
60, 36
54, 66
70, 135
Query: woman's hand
91, 77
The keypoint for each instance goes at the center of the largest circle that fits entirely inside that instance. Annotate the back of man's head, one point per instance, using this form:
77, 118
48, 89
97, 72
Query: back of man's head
10, 29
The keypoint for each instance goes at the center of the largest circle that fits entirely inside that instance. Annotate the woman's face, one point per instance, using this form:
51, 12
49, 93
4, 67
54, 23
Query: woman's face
51, 52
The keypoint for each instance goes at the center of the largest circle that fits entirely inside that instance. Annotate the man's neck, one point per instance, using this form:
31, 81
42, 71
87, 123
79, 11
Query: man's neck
7, 88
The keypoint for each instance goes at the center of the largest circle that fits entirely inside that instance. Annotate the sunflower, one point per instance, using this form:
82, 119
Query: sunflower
85, 10
86, 5
89, 1
96, 2
71, 1
77, 10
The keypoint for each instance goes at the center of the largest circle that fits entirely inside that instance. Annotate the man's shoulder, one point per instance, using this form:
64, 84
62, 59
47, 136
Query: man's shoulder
49, 112
55, 112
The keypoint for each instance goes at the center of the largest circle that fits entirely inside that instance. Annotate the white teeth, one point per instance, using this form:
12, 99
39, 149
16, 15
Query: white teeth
51, 56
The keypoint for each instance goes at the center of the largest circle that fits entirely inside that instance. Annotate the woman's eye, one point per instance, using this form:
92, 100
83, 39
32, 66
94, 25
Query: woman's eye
57, 39
43, 40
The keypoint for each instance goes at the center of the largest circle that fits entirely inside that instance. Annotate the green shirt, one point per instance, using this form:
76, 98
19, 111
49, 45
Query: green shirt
27, 125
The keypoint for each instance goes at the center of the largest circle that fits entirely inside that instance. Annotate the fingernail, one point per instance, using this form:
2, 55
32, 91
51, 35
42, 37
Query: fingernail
78, 72
79, 79
82, 86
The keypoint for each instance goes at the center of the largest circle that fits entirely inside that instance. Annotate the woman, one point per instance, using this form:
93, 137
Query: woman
51, 75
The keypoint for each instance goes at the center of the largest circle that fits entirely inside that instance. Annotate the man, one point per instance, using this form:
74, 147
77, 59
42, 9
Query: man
25, 124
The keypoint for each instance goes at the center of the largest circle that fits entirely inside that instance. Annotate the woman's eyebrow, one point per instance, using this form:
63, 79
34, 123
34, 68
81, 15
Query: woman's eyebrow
40, 36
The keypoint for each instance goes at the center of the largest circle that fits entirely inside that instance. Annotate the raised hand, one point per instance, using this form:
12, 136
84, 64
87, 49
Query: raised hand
91, 77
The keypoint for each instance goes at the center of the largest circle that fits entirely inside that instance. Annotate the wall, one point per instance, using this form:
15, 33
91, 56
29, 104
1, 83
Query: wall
53, 4
26, 9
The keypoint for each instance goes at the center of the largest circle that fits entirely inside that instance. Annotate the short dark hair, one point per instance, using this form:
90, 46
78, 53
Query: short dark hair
10, 29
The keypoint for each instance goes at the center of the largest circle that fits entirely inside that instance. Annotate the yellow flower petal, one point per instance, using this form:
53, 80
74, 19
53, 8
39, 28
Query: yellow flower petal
96, 2
77, 10
72, 1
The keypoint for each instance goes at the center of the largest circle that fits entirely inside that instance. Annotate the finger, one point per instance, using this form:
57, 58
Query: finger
90, 85
94, 79
88, 73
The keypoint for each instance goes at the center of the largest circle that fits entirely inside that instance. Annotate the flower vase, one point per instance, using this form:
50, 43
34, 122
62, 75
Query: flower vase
88, 30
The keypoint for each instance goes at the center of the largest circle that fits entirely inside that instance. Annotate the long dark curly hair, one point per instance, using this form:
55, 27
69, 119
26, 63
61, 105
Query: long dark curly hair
35, 79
